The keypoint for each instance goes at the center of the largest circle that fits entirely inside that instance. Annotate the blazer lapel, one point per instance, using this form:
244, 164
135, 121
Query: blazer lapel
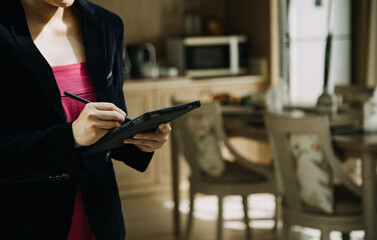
95, 47
35, 60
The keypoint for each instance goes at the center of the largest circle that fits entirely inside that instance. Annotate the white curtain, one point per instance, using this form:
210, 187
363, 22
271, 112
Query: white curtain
372, 49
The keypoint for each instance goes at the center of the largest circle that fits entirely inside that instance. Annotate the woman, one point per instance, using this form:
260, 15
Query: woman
48, 190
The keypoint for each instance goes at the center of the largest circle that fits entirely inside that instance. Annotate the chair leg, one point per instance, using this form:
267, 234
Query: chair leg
277, 212
190, 215
287, 230
246, 217
346, 236
220, 219
325, 234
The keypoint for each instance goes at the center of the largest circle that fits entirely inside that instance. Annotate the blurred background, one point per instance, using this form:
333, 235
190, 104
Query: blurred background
285, 42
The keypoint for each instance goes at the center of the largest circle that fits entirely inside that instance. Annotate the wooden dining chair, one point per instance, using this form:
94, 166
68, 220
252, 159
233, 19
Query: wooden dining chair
317, 191
199, 137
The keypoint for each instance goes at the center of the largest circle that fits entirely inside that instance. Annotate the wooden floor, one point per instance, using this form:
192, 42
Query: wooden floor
150, 217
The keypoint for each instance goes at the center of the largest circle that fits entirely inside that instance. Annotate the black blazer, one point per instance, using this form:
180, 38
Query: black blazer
39, 165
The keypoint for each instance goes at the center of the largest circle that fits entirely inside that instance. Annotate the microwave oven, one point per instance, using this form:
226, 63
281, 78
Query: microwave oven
208, 56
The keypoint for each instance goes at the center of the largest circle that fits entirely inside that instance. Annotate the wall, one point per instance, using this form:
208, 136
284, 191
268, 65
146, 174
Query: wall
154, 20
360, 36
372, 48
250, 17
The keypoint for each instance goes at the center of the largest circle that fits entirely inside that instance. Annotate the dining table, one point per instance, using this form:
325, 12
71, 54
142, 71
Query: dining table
348, 139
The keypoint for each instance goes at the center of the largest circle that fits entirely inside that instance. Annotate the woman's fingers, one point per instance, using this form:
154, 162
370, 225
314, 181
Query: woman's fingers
105, 106
151, 141
98, 118
106, 111
95, 121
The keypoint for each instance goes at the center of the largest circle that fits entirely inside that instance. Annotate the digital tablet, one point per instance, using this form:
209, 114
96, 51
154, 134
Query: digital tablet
146, 122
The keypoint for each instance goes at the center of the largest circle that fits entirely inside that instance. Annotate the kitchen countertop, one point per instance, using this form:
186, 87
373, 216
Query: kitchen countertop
150, 83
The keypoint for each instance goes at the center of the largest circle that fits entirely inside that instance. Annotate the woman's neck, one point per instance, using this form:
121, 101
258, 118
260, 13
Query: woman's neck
56, 31
42, 12
42, 16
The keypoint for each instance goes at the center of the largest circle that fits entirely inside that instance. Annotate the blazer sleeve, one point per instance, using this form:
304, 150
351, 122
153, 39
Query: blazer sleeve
129, 154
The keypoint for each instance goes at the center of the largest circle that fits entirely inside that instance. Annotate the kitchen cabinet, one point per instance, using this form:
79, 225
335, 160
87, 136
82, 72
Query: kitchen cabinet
146, 95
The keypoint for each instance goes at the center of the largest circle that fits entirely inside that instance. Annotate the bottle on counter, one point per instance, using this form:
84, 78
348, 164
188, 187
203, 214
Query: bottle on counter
197, 19
277, 97
192, 20
188, 20
370, 113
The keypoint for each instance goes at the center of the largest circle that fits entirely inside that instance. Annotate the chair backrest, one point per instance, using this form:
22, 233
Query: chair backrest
197, 135
292, 139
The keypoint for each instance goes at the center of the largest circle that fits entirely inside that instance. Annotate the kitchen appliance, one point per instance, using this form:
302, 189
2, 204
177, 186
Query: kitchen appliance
142, 59
208, 56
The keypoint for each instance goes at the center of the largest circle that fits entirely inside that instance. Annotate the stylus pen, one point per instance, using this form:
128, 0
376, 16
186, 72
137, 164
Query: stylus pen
73, 96
83, 100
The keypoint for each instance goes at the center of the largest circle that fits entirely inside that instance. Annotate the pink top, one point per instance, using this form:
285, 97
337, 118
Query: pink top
75, 78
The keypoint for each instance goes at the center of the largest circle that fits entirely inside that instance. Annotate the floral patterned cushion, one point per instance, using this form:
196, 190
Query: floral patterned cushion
312, 172
207, 150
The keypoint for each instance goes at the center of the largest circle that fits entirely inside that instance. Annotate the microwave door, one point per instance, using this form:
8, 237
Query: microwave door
208, 60
207, 57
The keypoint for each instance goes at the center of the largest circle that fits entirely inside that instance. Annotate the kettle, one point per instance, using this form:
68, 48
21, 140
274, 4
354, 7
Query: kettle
142, 60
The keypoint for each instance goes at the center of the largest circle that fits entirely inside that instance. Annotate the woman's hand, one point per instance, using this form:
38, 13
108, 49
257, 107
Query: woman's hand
95, 121
151, 141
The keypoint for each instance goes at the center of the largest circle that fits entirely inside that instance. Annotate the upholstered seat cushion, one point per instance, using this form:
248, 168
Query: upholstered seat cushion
312, 172
234, 173
205, 145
